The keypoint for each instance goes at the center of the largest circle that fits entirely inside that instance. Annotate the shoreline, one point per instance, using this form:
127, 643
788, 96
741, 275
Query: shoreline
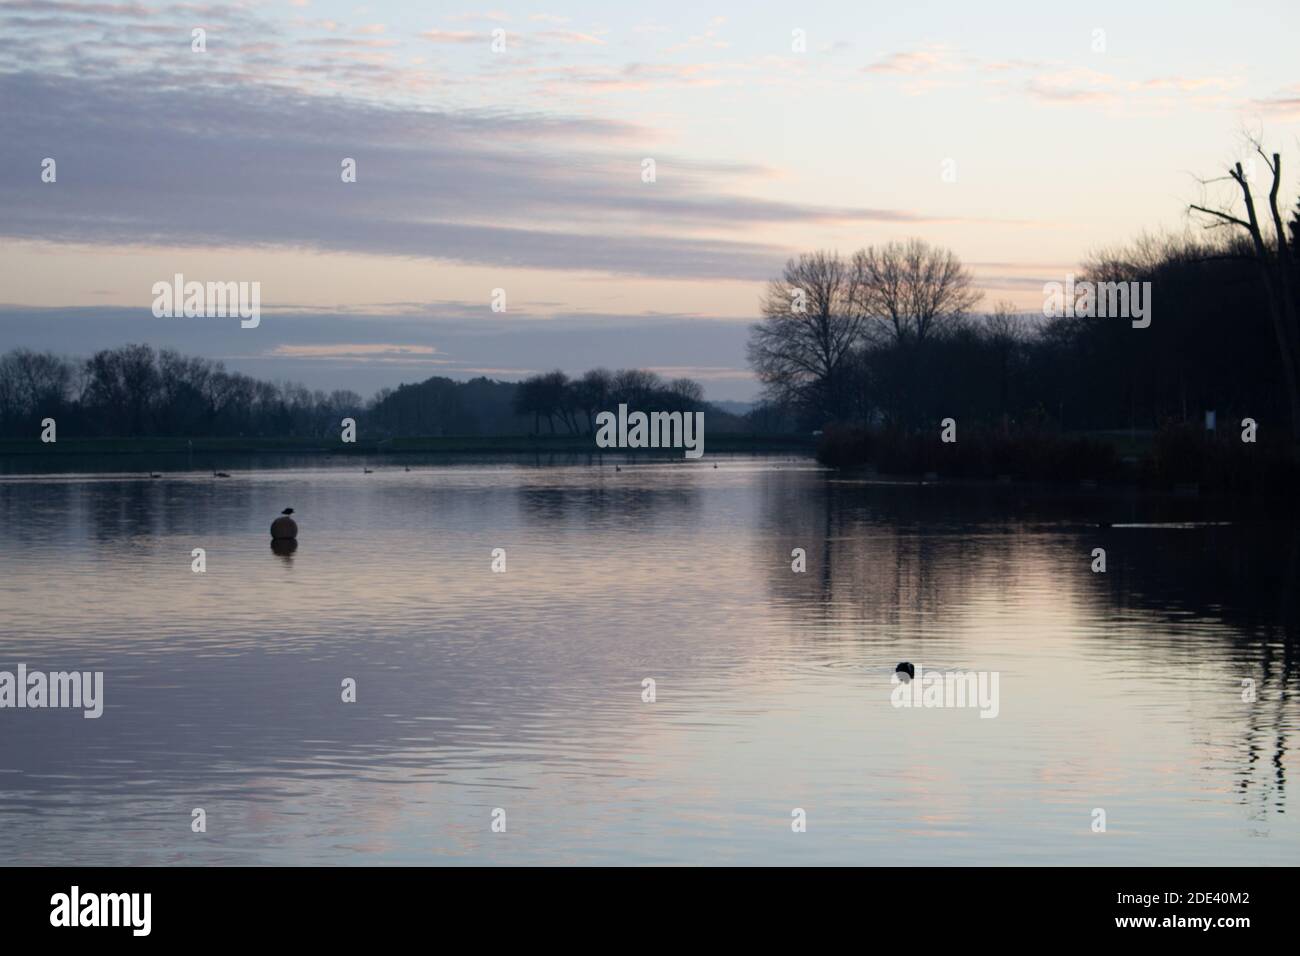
33, 458
509, 445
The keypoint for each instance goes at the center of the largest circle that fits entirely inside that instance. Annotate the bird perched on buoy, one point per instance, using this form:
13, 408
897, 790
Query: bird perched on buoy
284, 528
905, 668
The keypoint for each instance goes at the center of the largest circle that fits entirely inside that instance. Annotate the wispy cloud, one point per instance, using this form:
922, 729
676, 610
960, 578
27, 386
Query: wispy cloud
568, 36
1079, 85
454, 36
706, 39
935, 59
1284, 105
490, 16
933, 67
365, 351
472, 187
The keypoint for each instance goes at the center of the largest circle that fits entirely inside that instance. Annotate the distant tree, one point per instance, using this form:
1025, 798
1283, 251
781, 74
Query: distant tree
1007, 332
769, 418
180, 405
1209, 346
688, 393
557, 400
1277, 269
33, 385
134, 391
529, 401
812, 318
591, 394
121, 387
636, 387
914, 287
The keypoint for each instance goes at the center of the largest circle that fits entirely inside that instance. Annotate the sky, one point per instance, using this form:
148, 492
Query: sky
1023, 136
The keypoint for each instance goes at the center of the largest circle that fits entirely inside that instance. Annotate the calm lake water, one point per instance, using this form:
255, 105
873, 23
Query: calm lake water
522, 690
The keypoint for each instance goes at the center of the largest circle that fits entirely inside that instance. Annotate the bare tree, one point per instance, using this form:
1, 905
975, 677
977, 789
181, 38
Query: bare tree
812, 319
32, 385
1277, 268
635, 386
545, 395
687, 392
591, 394
915, 287
1006, 331
551, 395
122, 383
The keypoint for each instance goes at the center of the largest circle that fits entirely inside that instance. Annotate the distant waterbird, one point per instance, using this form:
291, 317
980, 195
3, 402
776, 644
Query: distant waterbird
220, 474
366, 471
905, 668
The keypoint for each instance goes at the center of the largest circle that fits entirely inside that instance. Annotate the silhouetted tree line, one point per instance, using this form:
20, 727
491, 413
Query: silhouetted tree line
886, 339
1211, 344
574, 403
551, 403
136, 390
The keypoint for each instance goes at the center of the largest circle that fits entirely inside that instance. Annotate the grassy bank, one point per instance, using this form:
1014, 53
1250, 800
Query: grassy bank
1173, 458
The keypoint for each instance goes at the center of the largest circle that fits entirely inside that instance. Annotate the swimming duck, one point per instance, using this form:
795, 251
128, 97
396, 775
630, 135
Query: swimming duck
905, 668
